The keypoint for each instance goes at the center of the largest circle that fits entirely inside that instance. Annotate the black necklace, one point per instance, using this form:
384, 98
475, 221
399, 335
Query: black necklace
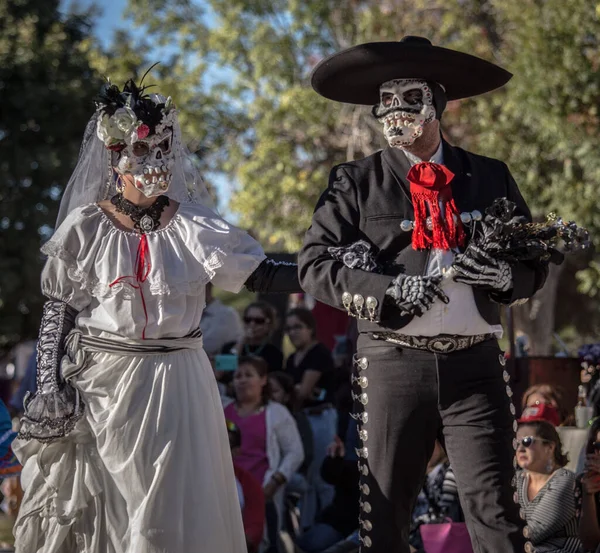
145, 219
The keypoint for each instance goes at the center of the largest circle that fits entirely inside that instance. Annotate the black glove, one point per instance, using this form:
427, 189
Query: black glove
478, 268
274, 277
413, 295
55, 408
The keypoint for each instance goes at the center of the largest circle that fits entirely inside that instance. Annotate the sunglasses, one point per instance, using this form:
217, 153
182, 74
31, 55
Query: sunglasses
528, 441
257, 320
293, 327
596, 446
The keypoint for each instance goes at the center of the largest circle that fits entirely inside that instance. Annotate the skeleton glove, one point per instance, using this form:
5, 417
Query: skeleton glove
53, 410
478, 268
413, 295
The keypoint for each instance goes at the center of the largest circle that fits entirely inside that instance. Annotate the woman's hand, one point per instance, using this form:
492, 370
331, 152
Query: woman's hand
591, 482
270, 489
592, 463
239, 347
310, 379
591, 474
273, 485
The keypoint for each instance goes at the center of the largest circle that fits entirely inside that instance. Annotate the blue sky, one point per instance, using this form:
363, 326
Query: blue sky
110, 18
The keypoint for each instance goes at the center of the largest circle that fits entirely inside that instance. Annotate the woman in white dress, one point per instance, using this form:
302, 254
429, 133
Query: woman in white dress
124, 444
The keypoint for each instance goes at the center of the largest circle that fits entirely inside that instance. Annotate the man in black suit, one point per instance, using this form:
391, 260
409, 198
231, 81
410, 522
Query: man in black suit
389, 243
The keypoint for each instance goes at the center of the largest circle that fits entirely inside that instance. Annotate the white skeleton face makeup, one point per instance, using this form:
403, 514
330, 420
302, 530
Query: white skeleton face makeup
150, 162
405, 106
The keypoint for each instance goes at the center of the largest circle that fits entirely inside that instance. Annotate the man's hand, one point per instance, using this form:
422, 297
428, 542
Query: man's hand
414, 295
477, 268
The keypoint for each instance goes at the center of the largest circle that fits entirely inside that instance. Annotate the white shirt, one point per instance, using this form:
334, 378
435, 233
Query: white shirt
460, 316
91, 266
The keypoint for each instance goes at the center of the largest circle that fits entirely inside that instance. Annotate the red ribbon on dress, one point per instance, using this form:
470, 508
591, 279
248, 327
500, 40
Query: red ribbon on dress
430, 185
142, 270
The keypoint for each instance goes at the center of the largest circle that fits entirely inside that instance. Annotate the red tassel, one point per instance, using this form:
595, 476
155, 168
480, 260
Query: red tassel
440, 240
455, 227
430, 184
420, 237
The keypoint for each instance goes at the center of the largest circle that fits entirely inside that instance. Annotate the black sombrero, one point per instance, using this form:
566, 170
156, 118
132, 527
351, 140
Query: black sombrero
355, 74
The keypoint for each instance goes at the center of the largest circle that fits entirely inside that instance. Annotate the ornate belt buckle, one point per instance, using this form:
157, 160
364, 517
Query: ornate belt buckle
442, 345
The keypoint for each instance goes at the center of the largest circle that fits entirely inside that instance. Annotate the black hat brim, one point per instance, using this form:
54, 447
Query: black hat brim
354, 75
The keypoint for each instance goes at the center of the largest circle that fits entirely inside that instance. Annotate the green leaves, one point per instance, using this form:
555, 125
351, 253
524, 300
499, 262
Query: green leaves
238, 71
46, 91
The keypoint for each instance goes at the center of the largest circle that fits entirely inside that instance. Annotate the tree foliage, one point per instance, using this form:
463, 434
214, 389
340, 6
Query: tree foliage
239, 71
46, 90
281, 138
278, 139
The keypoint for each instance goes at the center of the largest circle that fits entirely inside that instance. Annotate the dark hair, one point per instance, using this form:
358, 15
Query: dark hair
593, 432
306, 317
234, 433
262, 369
286, 381
546, 431
552, 393
439, 98
268, 310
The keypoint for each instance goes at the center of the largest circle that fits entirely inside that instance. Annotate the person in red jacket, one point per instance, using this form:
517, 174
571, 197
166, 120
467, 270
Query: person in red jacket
250, 492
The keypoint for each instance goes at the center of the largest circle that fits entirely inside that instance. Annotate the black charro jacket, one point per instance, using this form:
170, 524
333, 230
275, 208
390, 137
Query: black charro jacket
367, 200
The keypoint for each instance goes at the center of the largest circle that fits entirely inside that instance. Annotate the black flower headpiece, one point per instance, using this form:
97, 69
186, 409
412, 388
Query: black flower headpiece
131, 114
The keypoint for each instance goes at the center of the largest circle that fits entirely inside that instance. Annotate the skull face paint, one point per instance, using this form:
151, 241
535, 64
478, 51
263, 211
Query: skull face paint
405, 106
150, 161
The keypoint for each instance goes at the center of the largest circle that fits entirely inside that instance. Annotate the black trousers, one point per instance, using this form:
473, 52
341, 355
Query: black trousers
405, 400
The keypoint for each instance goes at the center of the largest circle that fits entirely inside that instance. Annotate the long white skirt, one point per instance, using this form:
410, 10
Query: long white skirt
147, 469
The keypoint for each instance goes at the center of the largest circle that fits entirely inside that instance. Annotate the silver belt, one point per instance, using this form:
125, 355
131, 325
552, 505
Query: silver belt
444, 343
125, 346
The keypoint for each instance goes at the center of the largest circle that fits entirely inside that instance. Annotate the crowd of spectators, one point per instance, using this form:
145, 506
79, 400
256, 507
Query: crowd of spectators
294, 444
288, 418
291, 433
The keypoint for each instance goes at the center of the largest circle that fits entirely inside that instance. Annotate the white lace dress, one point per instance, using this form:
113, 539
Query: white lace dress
148, 468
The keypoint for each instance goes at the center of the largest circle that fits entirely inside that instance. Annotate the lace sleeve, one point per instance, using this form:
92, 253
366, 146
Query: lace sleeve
54, 409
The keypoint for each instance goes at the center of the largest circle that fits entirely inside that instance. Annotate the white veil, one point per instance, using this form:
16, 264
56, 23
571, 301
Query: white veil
94, 180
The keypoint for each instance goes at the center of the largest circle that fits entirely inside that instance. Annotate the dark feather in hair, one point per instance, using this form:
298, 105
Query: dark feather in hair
110, 99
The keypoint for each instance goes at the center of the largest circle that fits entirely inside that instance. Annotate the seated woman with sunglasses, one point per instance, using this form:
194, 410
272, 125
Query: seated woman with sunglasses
260, 321
311, 367
589, 523
546, 490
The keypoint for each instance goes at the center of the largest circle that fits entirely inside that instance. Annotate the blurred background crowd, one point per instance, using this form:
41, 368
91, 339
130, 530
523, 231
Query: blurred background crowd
285, 374
238, 72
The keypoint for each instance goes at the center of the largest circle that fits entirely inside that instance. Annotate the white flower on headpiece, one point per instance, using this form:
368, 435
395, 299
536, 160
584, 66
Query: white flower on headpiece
108, 130
168, 119
127, 122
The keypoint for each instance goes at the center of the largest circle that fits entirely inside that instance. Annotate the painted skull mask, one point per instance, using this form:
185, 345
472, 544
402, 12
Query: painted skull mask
150, 161
405, 106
